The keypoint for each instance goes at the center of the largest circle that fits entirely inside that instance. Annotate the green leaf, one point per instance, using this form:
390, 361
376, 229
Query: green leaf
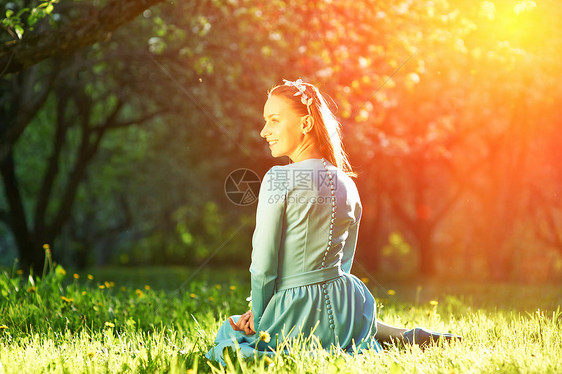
19, 31
9, 13
49, 9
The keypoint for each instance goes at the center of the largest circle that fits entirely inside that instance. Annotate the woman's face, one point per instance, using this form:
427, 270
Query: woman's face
283, 127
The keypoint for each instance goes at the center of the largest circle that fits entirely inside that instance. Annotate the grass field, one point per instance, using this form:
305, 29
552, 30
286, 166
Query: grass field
165, 320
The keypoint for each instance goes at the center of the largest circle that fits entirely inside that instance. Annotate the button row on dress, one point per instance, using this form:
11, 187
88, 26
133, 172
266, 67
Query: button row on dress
332, 219
333, 215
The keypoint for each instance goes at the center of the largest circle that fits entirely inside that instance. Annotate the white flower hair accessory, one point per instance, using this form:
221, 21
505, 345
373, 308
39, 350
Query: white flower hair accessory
301, 90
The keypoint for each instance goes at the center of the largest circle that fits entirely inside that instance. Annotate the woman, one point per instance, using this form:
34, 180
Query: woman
304, 242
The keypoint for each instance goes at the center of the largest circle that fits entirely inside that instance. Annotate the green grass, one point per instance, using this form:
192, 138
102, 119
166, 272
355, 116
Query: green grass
165, 320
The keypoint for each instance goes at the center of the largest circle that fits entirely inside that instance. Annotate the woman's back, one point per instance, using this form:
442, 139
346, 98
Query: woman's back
310, 238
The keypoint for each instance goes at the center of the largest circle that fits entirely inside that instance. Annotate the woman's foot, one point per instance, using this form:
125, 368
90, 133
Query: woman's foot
424, 337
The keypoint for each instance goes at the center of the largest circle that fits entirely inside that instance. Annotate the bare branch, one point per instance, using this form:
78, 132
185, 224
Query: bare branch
53, 166
116, 125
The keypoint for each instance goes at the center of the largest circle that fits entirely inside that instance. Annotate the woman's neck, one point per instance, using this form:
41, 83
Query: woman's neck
307, 150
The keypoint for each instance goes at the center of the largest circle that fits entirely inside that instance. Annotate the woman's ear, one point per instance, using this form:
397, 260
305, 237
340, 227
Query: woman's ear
307, 123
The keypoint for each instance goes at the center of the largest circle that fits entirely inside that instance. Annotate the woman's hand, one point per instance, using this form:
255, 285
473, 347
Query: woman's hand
245, 323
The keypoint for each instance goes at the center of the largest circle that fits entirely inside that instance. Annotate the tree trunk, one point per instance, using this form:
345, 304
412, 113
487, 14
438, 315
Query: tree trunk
32, 255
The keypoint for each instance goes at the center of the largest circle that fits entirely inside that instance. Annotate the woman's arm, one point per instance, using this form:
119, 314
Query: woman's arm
351, 241
266, 240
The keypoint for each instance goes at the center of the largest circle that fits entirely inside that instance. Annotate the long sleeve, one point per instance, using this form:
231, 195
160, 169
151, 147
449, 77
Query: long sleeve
267, 240
351, 241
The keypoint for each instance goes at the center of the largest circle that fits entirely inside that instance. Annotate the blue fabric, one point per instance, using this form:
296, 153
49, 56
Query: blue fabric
302, 252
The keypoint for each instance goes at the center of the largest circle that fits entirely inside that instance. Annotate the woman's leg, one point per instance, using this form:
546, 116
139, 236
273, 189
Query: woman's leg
420, 336
388, 333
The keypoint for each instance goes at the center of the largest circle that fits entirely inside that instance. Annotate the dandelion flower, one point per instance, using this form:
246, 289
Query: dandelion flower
268, 360
264, 335
32, 289
83, 292
391, 292
107, 284
3, 327
66, 299
46, 246
147, 287
232, 288
101, 286
434, 302
190, 371
211, 298
76, 276
139, 292
218, 286
109, 324
90, 277
91, 354
192, 295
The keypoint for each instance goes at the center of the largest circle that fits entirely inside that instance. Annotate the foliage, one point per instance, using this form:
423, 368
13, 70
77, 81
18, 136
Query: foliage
16, 23
165, 321
448, 110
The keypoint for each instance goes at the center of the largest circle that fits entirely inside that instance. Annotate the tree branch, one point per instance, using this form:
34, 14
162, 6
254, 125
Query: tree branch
116, 125
23, 108
15, 57
53, 166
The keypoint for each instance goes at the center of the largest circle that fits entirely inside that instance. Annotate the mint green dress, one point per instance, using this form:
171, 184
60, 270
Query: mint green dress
302, 250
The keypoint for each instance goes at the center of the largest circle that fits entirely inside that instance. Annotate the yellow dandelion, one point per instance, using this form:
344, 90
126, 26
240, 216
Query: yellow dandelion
123, 288
32, 289
90, 277
91, 354
139, 292
365, 280
3, 327
101, 286
19, 272
434, 302
391, 292
218, 286
190, 371
193, 296
264, 335
109, 324
46, 246
268, 360
232, 288
147, 287
107, 284
211, 298
76, 276
83, 293
66, 299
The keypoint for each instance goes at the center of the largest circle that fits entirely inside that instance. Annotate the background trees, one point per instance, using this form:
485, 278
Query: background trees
449, 115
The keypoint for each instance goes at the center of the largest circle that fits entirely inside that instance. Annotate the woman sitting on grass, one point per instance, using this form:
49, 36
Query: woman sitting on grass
304, 242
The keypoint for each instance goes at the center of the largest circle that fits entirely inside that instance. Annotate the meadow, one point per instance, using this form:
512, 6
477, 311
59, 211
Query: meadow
164, 320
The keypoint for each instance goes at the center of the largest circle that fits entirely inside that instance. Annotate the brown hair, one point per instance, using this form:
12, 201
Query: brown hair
326, 129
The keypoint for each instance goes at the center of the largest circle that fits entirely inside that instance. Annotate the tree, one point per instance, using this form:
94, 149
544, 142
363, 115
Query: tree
29, 91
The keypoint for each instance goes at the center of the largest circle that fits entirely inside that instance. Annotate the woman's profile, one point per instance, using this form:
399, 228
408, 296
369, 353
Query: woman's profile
304, 241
